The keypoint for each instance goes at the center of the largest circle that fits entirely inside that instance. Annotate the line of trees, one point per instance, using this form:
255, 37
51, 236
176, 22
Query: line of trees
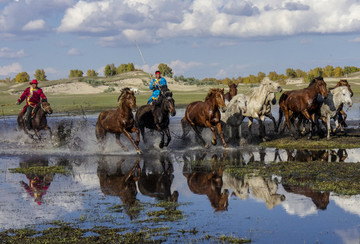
111, 69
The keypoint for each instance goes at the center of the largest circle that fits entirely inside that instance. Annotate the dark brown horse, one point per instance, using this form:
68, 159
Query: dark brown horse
302, 102
205, 114
38, 122
119, 121
209, 184
342, 114
232, 92
156, 117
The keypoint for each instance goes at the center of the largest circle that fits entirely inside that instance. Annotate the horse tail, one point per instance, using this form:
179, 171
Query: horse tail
185, 127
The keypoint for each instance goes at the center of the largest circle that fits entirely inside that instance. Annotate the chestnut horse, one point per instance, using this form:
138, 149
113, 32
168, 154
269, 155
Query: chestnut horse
231, 93
342, 114
205, 114
38, 122
156, 117
119, 121
209, 184
302, 102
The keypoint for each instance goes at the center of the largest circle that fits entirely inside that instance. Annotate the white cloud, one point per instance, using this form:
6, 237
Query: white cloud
10, 69
156, 20
50, 70
74, 52
6, 52
180, 67
34, 25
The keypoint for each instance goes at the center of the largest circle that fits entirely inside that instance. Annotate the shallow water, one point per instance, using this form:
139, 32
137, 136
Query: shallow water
259, 209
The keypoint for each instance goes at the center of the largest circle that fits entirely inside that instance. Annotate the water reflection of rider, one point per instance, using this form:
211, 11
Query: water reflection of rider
118, 179
38, 183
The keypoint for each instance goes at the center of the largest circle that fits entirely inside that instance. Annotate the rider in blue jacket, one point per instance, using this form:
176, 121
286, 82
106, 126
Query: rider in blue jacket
155, 86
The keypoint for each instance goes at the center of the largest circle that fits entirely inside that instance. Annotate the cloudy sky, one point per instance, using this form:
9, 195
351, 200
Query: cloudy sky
200, 38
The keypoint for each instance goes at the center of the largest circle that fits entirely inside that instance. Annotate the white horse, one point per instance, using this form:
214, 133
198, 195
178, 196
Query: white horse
330, 106
258, 103
232, 117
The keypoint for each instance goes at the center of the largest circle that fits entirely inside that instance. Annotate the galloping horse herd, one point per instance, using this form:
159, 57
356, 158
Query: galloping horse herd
226, 112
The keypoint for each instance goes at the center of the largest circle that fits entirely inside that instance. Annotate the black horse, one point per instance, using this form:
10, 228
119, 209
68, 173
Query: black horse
156, 116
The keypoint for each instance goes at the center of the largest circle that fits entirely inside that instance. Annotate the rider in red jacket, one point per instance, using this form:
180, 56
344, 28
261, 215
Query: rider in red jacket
32, 94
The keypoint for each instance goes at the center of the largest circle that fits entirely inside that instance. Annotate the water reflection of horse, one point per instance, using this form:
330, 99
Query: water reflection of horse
39, 121
156, 117
205, 115
156, 178
118, 177
208, 182
317, 155
261, 187
119, 121
320, 199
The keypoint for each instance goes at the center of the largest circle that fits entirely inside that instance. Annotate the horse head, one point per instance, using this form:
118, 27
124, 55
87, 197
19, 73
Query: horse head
166, 98
223, 201
343, 95
217, 95
127, 96
241, 102
320, 85
45, 106
233, 88
271, 86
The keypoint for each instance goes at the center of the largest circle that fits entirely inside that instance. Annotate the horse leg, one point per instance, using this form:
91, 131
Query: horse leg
250, 125
167, 132
117, 136
343, 121
328, 126
48, 129
132, 141
199, 135
261, 129
134, 129
37, 134
212, 128
270, 116
161, 144
218, 127
307, 116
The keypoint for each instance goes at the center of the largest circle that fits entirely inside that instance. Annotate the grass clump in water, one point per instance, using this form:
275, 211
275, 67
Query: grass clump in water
39, 170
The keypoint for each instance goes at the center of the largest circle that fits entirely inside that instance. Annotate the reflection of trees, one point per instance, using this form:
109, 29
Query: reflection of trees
118, 179
38, 182
207, 182
262, 188
156, 178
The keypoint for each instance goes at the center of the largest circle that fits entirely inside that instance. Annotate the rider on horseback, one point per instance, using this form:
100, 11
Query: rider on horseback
32, 95
155, 86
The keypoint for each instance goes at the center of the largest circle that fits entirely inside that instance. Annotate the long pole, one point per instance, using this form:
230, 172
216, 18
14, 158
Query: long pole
142, 57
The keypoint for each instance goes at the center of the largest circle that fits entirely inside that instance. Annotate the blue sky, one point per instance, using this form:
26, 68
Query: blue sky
200, 38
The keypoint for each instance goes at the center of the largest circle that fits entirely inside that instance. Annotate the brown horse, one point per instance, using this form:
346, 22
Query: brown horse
232, 92
205, 114
302, 102
118, 183
119, 121
210, 184
38, 122
342, 114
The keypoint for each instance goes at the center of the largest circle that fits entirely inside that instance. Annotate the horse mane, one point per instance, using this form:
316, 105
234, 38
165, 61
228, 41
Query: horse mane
212, 92
121, 98
312, 82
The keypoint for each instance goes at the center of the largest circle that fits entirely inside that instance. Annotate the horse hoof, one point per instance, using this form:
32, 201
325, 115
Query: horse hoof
161, 145
207, 146
213, 142
225, 146
138, 151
